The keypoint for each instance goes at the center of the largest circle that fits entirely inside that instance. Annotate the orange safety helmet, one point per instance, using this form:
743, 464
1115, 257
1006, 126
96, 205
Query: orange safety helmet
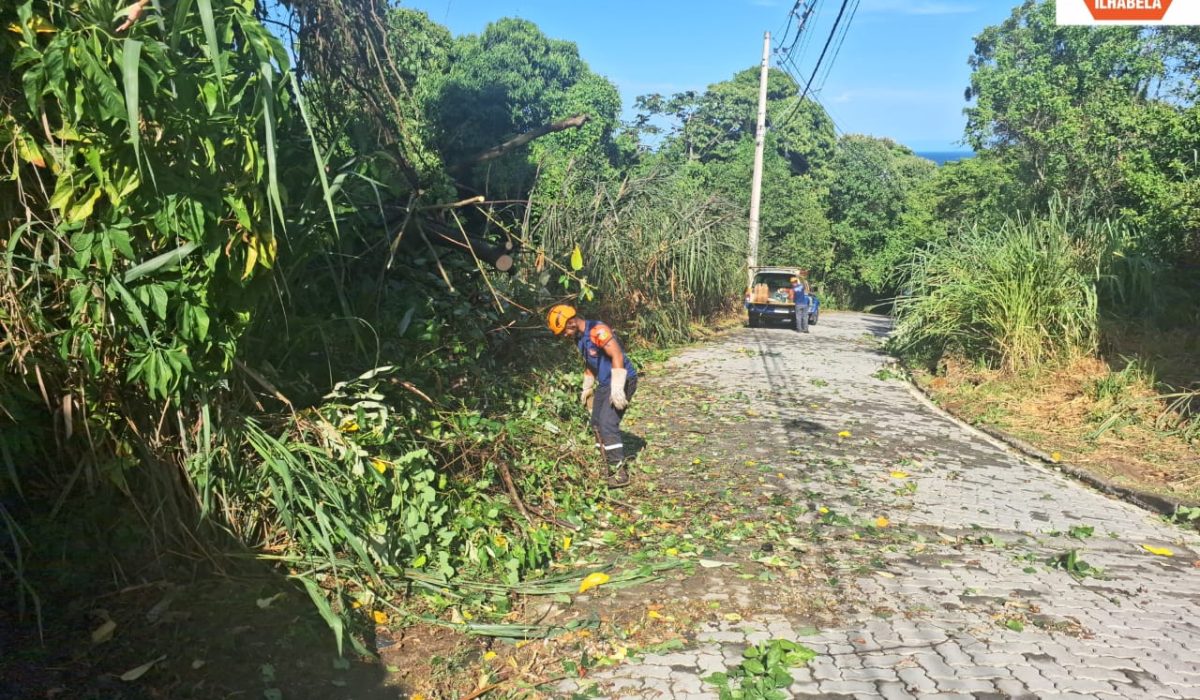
558, 317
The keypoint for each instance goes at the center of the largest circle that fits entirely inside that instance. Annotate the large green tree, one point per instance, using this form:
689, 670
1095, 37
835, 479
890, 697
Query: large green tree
711, 135
873, 186
715, 125
1104, 118
509, 80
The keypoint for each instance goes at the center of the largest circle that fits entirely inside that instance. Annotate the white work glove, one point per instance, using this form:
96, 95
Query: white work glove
619, 374
589, 387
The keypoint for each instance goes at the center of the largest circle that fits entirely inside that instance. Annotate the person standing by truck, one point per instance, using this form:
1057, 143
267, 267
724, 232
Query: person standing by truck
609, 380
800, 299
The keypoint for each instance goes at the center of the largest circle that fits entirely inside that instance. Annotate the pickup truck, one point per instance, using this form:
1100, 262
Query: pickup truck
770, 297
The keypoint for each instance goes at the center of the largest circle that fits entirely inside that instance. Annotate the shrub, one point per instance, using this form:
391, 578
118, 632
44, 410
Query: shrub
1012, 296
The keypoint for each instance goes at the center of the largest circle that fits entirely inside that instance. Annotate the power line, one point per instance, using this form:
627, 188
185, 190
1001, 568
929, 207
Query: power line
815, 12
838, 48
820, 59
782, 36
794, 14
791, 16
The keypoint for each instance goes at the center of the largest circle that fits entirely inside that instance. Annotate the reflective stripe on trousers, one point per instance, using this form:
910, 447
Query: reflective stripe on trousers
607, 420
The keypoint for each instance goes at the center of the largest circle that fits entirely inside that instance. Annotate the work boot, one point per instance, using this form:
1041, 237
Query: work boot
617, 475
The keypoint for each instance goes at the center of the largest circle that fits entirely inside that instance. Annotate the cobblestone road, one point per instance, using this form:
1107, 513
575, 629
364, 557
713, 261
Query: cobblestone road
974, 609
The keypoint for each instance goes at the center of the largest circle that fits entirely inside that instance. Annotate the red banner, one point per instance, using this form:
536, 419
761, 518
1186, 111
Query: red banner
1127, 9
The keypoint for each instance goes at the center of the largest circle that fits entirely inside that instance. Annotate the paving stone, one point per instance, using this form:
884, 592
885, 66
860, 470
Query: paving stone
1085, 686
847, 687
710, 663
885, 660
941, 638
825, 669
681, 683
917, 681
1015, 689
798, 689
965, 685
869, 674
936, 666
1098, 673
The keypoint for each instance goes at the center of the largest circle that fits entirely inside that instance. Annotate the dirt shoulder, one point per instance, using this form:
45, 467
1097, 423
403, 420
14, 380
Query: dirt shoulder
1110, 425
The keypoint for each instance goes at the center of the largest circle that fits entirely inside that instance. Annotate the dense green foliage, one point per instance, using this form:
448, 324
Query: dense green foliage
255, 305
240, 300
838, 207
1101, 123
1107, 119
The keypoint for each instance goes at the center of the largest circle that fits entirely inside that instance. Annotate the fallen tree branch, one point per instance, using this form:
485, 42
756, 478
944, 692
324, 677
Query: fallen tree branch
517, 141
506, 477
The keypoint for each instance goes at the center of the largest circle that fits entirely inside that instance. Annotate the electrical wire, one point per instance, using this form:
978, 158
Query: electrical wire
782, 40
820, 59
838, 48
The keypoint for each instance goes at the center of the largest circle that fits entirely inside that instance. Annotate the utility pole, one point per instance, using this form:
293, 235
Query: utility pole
760, 137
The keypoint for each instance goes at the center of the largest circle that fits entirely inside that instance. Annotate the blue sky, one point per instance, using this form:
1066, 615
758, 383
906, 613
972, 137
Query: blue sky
901, 72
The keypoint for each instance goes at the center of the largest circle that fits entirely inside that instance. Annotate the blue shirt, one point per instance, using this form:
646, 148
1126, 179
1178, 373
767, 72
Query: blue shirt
594, 337
798, 294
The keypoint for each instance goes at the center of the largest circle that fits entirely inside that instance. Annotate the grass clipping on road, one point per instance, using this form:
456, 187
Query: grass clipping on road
1113, 423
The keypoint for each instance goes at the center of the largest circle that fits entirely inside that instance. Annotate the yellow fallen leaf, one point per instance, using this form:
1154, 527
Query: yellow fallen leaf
899, 474
654, 615
732, 617
500, 540
1056, 456
696, 461
417, 696
356, 604
566, 543
1160, 551
135, 673
672, 552
882, 522
781, 476
822, 510
488, 656
592, 580
380, 465
844, 434
104, 632
349, 426
885, 574
380, 617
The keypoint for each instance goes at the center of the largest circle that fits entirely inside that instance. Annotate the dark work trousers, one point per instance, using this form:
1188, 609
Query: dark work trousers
802, 317
606, 420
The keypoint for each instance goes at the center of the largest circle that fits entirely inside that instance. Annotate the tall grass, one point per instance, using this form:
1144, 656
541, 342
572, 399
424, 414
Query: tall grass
659, 252
1013, 296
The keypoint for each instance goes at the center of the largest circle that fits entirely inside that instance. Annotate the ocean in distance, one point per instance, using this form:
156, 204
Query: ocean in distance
943, 157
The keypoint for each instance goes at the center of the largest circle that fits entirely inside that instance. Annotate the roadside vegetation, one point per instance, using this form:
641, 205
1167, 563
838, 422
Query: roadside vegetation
273, 286
1063, 306
272, 281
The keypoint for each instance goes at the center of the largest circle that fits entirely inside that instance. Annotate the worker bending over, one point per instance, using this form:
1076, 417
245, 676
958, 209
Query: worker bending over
609, 380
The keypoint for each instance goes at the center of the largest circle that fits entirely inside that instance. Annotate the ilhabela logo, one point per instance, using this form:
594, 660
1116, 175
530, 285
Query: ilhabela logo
1093, 13
1145, 10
